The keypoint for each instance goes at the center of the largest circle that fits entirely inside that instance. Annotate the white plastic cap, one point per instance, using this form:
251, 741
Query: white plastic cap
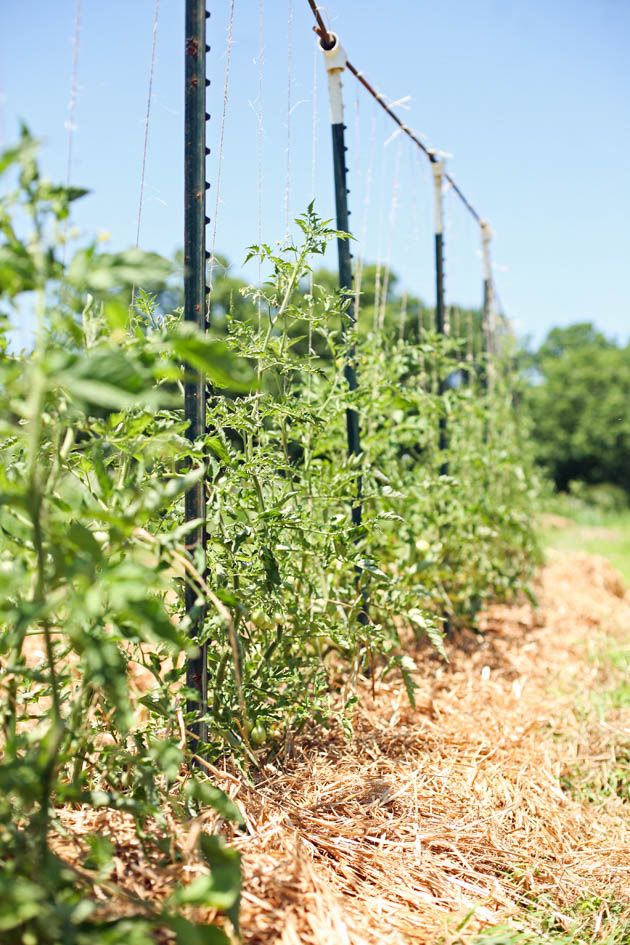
336, 58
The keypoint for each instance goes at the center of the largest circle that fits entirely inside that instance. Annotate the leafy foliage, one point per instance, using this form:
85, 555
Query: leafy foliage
93, 557
91, 480
580, 406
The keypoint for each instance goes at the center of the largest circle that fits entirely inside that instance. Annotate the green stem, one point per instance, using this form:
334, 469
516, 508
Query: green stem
36, 501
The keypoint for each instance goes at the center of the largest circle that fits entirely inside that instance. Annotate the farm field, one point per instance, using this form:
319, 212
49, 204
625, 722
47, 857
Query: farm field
407, 733
178, 596
592, 531
314, 554
493, 812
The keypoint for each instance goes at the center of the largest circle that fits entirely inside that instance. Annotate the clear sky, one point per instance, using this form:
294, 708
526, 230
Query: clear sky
530, 98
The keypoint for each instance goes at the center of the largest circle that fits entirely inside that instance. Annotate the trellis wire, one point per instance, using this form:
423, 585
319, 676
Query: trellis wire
147, 123
226, 93
72, 107
334, 64
287, 183
147, 117
327, 40
72, 104
195, 288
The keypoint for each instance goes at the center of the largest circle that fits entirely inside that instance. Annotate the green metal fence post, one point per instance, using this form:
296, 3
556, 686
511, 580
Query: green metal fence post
195, 220
440, 309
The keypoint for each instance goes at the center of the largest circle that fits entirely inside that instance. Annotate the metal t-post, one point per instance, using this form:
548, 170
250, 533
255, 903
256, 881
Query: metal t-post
195, 187
441, 323
440, 310
335, 64
335, 58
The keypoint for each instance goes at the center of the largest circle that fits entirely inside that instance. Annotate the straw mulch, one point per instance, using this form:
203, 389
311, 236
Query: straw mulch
463, 812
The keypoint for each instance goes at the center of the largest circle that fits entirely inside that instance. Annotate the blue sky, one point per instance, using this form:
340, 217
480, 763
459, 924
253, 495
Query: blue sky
529, 97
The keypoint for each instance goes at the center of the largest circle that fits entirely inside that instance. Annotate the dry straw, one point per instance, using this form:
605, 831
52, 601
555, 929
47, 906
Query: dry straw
435, 822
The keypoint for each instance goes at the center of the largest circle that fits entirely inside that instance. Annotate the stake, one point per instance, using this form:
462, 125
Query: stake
195, 220
335, 58
335, 64
440, 312
441, 323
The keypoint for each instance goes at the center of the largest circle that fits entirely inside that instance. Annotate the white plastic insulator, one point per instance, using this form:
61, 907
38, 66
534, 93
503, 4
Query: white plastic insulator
336, 60
438, 179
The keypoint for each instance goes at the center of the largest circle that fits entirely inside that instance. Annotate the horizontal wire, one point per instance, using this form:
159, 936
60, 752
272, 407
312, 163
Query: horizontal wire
327, 41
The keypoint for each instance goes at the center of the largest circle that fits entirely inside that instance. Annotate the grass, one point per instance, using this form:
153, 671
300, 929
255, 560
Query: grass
575, 528
592, 920
608, 775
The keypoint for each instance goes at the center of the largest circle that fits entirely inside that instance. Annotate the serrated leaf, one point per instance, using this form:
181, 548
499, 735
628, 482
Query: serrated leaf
425, 623
208, 795
193, 933
211, 357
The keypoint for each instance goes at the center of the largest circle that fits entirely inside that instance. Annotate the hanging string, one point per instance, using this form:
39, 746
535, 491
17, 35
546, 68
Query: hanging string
311, 286
316, 58
367, 199
407, 248
287, 186
391, 224
72, 104
379, 254
415, 230
147, 117
308, 446
260, 138
470, 343
70, 123
260, 129
402, 317
433, 155
450, 246
226, 93
358, 153
3, 99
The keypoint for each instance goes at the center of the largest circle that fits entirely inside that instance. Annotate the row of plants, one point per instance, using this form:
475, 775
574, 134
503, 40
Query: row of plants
297, 601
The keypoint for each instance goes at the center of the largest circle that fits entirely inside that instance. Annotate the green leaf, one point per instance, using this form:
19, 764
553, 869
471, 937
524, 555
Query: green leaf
20, 900
211, 357
425, 623
25, 150
410, 686
225, 865
81, 537
219, 889
216, 446
103, 272
100, 852
192, 933
18, 272
208, 795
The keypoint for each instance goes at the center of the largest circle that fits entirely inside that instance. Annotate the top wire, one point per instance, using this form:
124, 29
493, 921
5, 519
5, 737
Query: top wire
327, 40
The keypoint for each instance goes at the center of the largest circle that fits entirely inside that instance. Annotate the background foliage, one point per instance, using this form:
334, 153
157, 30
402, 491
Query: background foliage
579, 399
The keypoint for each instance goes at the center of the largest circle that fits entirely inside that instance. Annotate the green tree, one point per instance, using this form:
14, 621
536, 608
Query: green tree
579, 398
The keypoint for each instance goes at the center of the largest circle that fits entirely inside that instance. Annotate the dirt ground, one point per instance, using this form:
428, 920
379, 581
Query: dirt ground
502, 798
